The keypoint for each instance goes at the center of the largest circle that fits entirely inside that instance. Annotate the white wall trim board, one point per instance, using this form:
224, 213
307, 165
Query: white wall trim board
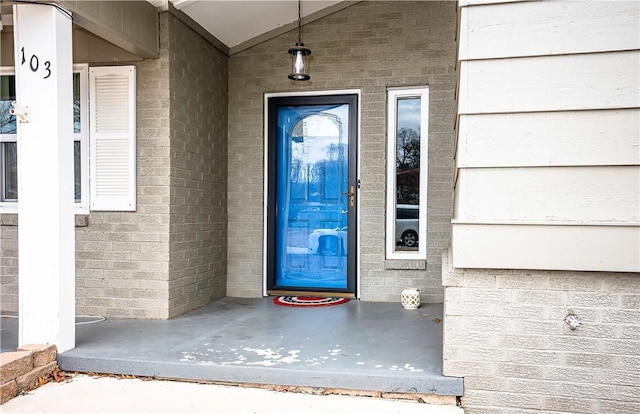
581, 248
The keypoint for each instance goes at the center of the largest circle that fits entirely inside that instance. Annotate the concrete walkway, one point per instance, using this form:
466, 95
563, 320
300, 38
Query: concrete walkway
87, 395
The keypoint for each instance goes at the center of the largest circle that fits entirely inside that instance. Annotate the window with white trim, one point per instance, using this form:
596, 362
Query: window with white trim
110, 142
8, 151
407, 157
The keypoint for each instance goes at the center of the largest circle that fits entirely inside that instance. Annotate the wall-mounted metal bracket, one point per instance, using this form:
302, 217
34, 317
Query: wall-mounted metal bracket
20, 112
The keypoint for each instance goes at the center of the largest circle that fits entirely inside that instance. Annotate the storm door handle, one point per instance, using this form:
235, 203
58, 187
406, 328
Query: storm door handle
352, 196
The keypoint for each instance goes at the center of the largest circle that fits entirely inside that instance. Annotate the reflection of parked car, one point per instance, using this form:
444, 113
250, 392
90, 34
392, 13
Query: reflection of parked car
328, 242
407, 219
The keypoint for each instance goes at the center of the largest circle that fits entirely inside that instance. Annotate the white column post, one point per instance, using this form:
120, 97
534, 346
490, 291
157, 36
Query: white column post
46, 223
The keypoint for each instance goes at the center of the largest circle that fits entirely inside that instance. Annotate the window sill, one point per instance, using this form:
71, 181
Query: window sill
403, 264
82, 220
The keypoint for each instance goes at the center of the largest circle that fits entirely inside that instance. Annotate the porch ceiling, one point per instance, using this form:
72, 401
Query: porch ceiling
239, 24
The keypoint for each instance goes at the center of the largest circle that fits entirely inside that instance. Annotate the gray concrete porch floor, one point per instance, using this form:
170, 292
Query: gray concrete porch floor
372, 346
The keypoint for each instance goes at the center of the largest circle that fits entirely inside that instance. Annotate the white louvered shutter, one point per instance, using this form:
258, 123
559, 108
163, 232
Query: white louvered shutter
113, 138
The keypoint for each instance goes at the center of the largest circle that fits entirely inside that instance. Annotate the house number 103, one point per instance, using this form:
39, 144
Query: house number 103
34, 64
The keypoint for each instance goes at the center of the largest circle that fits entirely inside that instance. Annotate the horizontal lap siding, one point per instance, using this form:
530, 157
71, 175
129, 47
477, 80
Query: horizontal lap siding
548, 150
558, 28
547, 189
599, 137
550, 83
581, 195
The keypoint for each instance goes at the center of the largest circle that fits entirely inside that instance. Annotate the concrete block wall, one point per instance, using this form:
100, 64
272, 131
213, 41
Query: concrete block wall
8, 263
169, 256
122, 258
369, 46
198, 168
505, 333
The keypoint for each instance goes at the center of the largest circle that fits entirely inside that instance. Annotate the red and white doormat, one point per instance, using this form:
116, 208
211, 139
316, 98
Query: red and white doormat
307, 301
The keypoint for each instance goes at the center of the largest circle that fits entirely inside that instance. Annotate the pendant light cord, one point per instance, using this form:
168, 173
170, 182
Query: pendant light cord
299, 22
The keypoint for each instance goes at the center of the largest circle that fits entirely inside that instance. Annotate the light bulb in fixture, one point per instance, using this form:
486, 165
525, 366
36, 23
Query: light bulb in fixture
299, 63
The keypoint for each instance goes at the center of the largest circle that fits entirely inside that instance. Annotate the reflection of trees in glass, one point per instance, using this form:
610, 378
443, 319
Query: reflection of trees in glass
312, 175
408, 166
8, 125
10, 170
336, 152
335, 155
76, 116
77, 149
76, 103
330, 171
407, 149
317, 158
9, 149
7, 95
77, 181
7, 121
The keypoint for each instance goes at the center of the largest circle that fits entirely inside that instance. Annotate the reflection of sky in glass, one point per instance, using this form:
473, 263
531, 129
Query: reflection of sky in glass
320, 133
409, 113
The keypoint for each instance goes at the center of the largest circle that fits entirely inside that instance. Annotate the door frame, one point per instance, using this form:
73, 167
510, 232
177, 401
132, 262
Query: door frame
266, 167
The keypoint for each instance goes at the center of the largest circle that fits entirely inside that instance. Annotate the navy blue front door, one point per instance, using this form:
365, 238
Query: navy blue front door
311, 194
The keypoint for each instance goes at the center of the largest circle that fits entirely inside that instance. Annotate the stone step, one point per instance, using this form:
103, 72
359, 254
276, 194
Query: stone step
20, 370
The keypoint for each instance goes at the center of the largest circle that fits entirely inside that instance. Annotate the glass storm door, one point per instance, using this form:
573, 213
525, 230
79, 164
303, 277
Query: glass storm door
311, 211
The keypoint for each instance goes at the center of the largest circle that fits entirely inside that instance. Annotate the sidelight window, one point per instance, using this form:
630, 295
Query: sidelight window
407, 149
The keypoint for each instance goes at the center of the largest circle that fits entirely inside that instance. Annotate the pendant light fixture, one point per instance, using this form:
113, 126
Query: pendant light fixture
299, 53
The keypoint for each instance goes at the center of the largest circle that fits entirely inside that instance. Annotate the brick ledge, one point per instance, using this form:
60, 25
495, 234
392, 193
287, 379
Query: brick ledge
21, 370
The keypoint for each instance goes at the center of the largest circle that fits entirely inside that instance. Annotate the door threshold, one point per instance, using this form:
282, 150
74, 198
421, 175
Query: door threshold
306, 293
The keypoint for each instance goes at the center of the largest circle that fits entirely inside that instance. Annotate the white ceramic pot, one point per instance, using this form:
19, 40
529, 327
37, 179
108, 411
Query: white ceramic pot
410, 298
